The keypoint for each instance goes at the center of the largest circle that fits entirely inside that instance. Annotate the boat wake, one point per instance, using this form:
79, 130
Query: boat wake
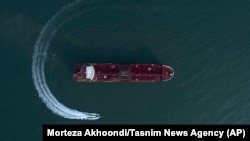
38, 65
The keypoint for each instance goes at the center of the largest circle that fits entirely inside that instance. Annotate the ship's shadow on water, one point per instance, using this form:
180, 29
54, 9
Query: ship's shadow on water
71, 55
140, 54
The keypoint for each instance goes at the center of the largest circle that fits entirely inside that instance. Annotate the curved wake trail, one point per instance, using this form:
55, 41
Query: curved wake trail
38, 65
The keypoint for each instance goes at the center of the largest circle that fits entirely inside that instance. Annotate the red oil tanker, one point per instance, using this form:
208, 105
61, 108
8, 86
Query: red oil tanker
109, 72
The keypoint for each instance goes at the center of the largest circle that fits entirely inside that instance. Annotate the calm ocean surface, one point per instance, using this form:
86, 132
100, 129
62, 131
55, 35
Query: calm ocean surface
206, 42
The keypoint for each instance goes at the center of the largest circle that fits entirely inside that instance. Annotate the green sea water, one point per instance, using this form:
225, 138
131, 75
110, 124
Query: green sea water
206, 43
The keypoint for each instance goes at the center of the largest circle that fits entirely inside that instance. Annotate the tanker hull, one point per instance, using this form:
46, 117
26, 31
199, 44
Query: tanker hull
122, 72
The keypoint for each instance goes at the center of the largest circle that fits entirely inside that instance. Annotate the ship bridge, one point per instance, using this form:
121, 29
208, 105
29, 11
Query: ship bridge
90, 72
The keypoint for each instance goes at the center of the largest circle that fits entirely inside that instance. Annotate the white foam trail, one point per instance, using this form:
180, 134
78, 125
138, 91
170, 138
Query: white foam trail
38, 64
